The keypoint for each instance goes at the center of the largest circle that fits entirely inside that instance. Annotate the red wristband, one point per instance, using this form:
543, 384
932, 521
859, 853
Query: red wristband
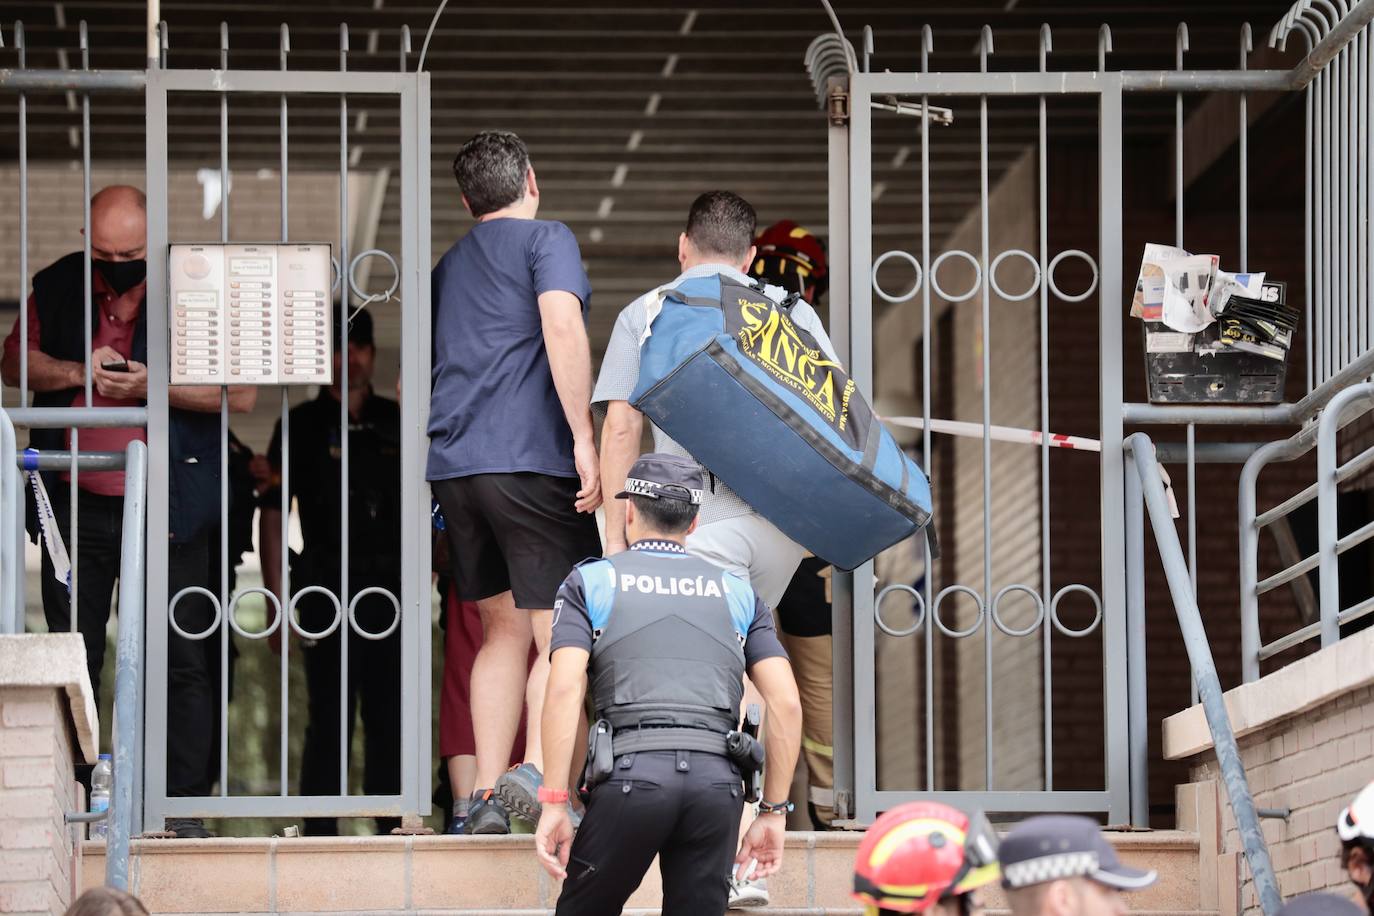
549, 796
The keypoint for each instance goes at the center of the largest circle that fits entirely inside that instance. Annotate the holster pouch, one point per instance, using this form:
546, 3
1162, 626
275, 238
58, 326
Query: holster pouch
600, 758
746, 751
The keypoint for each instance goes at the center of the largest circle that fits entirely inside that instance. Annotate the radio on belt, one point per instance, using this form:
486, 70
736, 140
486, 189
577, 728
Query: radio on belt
251, 314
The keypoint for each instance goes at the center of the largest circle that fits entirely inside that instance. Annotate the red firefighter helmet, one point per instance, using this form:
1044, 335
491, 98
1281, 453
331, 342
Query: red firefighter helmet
920, 853
791, 257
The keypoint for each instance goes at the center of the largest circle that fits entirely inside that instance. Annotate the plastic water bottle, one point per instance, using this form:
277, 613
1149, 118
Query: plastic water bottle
102, 781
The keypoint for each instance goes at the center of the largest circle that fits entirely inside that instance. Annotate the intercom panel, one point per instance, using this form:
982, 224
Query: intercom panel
250, 314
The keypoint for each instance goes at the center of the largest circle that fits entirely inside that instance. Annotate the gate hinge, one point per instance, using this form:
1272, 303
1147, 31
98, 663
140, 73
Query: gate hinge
837, 106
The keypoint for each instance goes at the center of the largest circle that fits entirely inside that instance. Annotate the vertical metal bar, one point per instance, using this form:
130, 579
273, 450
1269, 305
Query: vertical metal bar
11, 497
1109, 350
1360, 214
1180, 46
1342, 67
841, 608
1046, 630
345, 627
1136, 669
415, 332
1367, 198
1329, 594
1309, 292
861, 370
1328, 233
1192, 518
1249, 561
1246, 45
128, 665
224, 602
928, 637
985, 49
285, 560
155, 746
74, 488
23, 224
11, 473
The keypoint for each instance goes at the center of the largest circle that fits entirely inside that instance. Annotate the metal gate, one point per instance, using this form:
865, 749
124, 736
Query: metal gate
408, 92
866, 605
860, 605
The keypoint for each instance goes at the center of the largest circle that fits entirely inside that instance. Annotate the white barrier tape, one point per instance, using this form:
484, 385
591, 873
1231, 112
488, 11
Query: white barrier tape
997, 433
47, 522
1021, 437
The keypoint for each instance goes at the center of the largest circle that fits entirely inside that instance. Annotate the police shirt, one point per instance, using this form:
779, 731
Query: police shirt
374, 474
574, 611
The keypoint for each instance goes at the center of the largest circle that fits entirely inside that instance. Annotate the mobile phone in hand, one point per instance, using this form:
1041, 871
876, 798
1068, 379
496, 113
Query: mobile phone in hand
121, 366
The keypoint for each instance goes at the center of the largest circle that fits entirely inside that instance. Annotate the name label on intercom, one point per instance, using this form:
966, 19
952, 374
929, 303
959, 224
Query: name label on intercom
251, 314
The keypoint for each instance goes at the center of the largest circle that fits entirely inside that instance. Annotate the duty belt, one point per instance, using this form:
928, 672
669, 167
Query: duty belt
634, 740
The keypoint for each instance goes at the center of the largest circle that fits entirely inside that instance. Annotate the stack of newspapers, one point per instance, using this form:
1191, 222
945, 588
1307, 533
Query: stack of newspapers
1190, 304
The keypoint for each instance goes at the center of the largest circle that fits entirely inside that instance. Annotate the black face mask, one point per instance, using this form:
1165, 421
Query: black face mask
122, 275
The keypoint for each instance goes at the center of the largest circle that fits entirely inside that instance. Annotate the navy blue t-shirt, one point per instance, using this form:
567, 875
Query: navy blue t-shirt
493, 408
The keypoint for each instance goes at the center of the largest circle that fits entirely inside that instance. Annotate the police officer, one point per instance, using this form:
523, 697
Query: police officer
374, 561
666, 639
1062, 865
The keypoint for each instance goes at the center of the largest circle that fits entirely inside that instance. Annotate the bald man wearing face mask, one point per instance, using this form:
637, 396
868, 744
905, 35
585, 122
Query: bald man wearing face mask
56, 375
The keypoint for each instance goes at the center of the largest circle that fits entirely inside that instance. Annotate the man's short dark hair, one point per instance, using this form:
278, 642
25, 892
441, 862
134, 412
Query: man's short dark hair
491, 170
722, 223
666, 516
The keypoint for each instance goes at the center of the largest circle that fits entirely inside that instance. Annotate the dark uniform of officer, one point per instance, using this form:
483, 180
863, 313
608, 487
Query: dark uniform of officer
374, 561
665, 639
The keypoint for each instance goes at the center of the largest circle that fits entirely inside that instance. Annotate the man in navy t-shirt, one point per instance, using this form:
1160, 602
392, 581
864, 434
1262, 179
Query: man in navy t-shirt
512, 459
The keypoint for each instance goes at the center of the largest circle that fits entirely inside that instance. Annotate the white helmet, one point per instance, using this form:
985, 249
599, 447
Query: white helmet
1356, 822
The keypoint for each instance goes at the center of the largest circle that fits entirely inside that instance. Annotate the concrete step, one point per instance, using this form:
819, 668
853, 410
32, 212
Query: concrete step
470, 875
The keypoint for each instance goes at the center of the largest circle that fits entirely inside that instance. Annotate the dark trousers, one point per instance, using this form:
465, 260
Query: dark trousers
683, 806
192, 691
373, 688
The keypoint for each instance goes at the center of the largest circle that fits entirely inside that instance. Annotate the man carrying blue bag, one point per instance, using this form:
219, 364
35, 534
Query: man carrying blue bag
718, 241
741, 377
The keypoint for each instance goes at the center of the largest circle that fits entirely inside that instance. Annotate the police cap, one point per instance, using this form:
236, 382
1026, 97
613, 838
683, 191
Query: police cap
660, 476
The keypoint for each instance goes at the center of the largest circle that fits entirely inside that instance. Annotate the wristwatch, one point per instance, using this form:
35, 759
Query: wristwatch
780, 808
549, 796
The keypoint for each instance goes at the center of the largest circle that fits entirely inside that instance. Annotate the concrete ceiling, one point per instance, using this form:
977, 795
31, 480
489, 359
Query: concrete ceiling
630, 109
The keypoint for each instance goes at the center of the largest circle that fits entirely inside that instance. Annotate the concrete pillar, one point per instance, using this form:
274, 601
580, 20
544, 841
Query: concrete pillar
47, 726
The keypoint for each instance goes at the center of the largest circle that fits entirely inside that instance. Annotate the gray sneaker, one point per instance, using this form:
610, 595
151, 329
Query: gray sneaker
748, 894
486, 815
518, 789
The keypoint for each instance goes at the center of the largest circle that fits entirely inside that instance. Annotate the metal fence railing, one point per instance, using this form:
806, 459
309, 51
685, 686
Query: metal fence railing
1348, 405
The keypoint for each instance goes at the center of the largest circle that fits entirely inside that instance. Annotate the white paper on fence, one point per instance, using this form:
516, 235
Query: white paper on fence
1149, 285
1187, 283
997, 433
1229, 284
52, 536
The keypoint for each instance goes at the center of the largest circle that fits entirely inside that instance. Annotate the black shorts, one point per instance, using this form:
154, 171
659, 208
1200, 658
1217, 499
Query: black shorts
515, 532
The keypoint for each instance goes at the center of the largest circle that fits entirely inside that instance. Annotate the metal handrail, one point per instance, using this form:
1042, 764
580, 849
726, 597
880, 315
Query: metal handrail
128, 668
1341, 409
1205, 673
11, 514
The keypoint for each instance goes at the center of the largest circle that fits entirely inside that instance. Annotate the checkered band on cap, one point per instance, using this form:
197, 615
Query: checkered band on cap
653, 489
1049, 868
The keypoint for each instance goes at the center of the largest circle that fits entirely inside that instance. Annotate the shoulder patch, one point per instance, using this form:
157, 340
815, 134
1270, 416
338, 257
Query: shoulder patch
740, 595
598, 586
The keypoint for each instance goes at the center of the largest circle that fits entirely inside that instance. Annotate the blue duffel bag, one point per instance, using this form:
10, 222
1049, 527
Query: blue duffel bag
726, 373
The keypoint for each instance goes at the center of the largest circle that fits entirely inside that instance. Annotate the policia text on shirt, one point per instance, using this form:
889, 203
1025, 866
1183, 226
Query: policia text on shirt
665, 639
